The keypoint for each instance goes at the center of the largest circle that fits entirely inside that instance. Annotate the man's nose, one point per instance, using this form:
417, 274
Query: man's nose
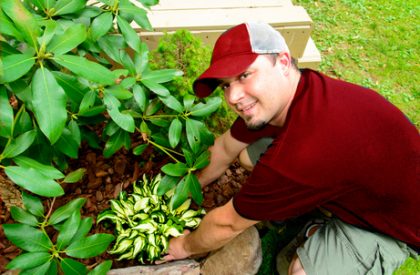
236, 93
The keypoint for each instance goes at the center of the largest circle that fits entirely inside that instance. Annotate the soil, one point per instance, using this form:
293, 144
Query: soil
103, 181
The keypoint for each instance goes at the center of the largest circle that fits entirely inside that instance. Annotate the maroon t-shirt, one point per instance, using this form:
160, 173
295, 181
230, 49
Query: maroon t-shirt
344, 148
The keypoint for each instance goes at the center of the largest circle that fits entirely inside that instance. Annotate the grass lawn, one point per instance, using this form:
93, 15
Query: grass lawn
374, 43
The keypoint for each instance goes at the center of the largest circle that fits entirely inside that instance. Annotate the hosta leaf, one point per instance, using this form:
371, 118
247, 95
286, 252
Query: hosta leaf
75, 175
206, 109
22, 216
47, 170
65, 211
70, 39
33, 204
67, 144
161, 76
172, 103
102, 268
90, 246
27, 237
24, 21
16, 66
195, 188
6, 114
101, 25
73, 267
174, 132
88, 69
166, 184
125, 121
68, 6
20, 144
68, 230
130, 35
193, 134
29, 260
175, 169
156, 88
34, 181
49, 103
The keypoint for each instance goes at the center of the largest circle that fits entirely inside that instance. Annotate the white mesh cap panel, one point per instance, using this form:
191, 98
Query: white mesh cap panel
265, 39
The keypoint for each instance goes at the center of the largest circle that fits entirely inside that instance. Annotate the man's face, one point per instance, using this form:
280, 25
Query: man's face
259, 95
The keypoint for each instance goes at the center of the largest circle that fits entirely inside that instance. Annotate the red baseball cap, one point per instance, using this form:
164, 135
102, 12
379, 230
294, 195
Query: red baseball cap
235, 50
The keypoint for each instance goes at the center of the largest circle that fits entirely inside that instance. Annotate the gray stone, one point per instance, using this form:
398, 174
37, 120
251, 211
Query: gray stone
184, 267
242, 255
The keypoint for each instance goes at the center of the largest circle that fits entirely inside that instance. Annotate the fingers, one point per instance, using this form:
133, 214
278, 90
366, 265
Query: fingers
165, 259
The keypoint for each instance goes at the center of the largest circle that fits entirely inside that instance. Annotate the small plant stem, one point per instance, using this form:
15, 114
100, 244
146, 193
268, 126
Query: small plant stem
165, 150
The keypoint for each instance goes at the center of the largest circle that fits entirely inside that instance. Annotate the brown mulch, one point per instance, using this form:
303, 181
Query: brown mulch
103, 181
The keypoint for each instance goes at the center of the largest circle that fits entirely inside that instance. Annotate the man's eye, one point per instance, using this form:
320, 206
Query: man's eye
224, 86
244, 75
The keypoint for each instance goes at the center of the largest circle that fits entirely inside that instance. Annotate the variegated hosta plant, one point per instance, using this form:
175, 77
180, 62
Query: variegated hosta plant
145, 221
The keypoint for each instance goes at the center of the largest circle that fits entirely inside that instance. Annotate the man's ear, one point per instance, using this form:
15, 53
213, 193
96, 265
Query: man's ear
285, 61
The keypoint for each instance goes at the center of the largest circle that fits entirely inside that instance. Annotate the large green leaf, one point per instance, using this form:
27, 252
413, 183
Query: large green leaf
33, 204
141, 58
34, 181
175, 169
88, 69
73, 88
195, 188
6, 114
84, 228
48, 170
75, 175
102, 268
130, 35
24, 21
101, 25
27, 237
20, 144
90, 246
49, 267
140, 96
156, 88
70, 39
50, 28
172, 103
180, 195
67, 144
161, 76
124, 120
166, 184
139, 14
73, 267
119, 92
22, 216
49, 103
174, 133
193, 134
65, 211
116, 142
68, 6
7, 27
68, 230
206, 109
16, 66
112, 45
29, 260
203, 160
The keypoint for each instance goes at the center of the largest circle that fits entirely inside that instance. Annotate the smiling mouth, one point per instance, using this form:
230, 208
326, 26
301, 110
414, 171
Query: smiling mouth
247, 108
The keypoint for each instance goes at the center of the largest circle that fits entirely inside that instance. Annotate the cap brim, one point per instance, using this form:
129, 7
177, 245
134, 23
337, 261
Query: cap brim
230, 66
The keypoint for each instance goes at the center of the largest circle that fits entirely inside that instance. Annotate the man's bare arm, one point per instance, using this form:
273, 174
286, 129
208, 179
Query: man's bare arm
224, 151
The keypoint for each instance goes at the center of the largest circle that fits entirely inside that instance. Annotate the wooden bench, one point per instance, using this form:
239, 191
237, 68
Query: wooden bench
207, 19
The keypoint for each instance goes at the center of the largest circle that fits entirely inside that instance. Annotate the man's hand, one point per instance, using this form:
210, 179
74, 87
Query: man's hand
176, 250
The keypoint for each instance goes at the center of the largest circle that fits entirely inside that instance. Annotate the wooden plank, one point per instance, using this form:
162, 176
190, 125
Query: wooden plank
311, 56
210, 4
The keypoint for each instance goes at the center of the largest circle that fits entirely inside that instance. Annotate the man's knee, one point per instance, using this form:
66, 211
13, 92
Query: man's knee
245, 161
295, 267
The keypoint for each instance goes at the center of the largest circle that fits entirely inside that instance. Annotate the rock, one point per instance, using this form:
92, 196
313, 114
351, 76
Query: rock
184, 267
242, 255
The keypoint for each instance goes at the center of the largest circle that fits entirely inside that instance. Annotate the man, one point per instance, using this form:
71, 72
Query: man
335, 145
